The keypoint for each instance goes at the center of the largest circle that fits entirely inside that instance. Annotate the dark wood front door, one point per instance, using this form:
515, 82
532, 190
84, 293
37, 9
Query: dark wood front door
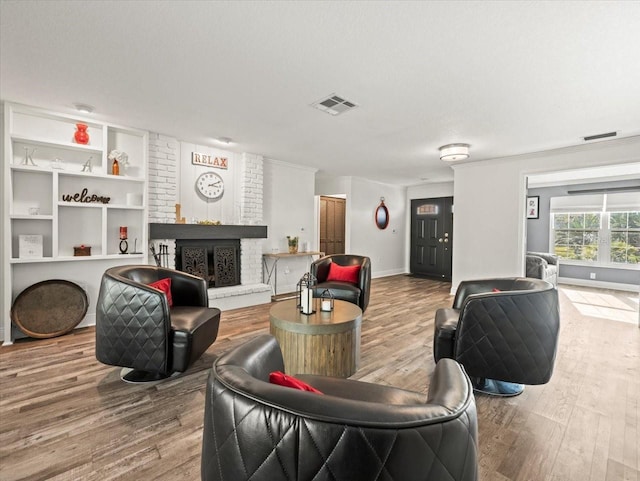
431, 237
332, 219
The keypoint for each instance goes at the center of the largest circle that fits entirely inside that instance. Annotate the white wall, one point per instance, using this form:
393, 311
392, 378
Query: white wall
429, 191
5, 244
289, 210
387, 248
331, 185
486, 222
225, 209
489, 220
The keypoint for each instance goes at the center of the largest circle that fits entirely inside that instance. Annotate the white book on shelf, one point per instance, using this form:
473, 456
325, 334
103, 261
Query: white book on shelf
30, 246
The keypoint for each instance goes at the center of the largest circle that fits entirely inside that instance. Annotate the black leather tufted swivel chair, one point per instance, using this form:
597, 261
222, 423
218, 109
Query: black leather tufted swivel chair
355, 431
354, 293
135, 328
503, 339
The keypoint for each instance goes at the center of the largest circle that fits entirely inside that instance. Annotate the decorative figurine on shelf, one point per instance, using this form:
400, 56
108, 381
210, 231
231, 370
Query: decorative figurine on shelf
293, 244
86, 167
118, 158
28, 157
124, 245
82, 250
179, 218
81, 135
326, 301
305, 288
135, 246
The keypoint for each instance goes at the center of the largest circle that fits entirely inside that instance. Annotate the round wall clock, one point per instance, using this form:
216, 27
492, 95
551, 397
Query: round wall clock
210, 185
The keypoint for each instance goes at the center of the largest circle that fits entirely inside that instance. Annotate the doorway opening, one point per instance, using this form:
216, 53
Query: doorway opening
332, 224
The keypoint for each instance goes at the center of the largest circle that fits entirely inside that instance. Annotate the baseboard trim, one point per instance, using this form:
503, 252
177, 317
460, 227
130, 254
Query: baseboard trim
616, 286
388, 273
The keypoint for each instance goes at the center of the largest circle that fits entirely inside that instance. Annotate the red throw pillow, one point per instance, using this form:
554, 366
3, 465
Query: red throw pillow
281, 379
343, 273
165, 286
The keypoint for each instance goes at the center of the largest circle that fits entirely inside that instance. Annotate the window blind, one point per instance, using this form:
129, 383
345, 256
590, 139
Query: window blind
616, 202
623, 201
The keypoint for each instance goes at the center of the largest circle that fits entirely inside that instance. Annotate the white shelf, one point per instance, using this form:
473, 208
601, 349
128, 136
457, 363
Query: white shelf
14, 260
49, 139
56, 144
90, 205
30, 168
30, 217
125, 206
95, 175
82, 205
77, 258
97, 258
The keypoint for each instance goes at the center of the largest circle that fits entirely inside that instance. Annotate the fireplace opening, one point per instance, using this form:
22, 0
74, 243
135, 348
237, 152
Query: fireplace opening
216, 261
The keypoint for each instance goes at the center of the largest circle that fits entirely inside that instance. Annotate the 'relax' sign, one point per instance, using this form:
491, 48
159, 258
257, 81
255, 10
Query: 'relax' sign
209, 160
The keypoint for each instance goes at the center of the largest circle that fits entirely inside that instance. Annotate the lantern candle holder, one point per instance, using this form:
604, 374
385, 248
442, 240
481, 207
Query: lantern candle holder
124, 245
326, 301
305, 288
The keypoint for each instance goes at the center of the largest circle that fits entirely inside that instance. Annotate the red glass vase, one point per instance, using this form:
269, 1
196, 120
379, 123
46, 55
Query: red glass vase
81, 136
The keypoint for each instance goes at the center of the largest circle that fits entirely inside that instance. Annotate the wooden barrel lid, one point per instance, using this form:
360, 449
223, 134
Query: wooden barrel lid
49, 308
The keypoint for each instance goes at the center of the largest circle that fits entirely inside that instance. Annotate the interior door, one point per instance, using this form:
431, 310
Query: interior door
431, 237
332, 219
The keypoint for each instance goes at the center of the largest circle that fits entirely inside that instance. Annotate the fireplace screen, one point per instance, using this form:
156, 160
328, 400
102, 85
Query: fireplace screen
218, 262
194, 261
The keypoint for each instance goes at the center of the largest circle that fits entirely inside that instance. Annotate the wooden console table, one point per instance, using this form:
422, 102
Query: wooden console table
270, 271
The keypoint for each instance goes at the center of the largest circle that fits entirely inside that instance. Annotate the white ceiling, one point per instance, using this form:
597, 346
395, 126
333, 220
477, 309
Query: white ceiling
506, 77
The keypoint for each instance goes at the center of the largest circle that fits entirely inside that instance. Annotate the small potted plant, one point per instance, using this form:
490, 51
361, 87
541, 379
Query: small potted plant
293, 244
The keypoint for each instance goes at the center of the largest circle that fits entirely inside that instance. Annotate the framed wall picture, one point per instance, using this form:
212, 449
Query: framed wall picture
533, 204
30, 246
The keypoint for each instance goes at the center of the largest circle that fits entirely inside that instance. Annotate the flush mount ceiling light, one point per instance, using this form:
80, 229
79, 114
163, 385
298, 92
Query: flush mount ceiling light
224, 140
453, 152
86, 108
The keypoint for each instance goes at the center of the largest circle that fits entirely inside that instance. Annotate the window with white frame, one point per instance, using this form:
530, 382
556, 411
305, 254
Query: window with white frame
597, 228
625, 237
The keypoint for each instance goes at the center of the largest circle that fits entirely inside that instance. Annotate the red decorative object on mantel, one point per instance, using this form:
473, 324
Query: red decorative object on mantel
81, 136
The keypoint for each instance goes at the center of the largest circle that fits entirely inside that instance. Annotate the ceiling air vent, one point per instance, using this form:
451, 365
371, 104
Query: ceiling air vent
600, 136
334, 105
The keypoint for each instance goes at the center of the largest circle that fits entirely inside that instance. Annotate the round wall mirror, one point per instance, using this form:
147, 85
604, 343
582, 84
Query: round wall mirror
382, 215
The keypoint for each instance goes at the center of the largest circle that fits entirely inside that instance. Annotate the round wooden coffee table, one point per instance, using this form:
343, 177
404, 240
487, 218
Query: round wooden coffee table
326, 343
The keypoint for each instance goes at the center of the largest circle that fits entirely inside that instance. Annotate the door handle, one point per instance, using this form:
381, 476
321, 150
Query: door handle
440, 240
446, 240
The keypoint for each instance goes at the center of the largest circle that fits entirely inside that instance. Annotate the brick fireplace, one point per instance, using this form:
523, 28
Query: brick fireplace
212, 252
164, 169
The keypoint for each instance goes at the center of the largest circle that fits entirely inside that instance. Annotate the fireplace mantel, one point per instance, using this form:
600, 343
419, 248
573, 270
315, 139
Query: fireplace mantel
199, 231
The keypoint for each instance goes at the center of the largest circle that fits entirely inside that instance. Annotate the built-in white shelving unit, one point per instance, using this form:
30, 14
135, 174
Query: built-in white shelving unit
43, 168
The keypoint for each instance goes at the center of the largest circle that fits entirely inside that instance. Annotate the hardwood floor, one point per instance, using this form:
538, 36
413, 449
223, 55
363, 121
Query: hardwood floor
65, 416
